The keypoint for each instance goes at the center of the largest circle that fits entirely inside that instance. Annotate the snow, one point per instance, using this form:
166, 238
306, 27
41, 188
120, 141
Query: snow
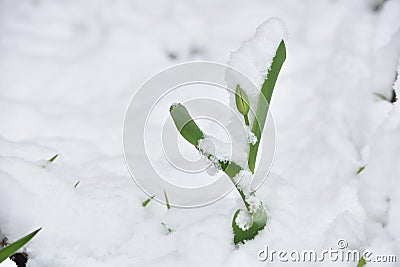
253, 60
244, 220
243, 180
8, 263
254, 204
251, 137
378, 187
212, 146
69, 68
254, 57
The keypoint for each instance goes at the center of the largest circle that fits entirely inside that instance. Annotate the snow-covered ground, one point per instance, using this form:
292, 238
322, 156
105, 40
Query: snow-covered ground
68, 70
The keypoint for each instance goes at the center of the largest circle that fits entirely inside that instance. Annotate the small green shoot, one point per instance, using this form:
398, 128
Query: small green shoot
77, 183
381, 96
53, 158
13, 247
147, 201
242, 103
362, 262
45, 163
166, 200
169, 230
192, 133
392, 99
361, 169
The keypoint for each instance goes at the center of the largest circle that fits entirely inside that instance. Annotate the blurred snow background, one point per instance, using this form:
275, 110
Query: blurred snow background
69, 68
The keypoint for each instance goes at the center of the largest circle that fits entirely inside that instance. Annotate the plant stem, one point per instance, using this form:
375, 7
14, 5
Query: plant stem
231, 169
193, 134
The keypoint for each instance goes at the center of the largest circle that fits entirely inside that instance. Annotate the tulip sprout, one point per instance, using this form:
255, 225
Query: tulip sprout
246, 223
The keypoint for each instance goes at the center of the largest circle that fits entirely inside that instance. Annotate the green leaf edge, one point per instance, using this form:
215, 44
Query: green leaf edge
9, 250
166, 200
192, 133
362, 262
263, 102
53, 158
259, 223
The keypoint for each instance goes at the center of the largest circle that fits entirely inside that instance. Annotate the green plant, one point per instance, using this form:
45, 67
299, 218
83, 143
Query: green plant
13, 247
46, 163
147, 201
167, 228
362, 262
166, 200
242, 103
392, 99
53, 158
255, 212
361, 169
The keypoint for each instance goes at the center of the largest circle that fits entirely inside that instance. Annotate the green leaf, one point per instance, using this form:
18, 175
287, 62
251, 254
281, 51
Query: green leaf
185, 124
192, 133
392, 99
147, 201
259, 222
362, 262
264, 100
13, 247
53, 158
242, 102
361, 169
166, 200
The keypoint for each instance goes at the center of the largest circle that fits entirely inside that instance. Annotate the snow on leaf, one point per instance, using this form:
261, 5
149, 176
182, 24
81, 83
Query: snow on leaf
244, 220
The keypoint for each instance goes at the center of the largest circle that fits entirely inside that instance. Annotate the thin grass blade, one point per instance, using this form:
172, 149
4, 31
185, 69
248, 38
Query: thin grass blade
53, 158
13, 247
166, 200
147, 201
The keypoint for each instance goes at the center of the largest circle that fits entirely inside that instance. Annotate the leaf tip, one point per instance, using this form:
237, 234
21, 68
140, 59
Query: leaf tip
53, 158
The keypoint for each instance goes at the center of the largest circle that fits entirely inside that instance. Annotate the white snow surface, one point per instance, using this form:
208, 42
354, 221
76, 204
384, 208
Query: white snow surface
69, 68
8, 263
